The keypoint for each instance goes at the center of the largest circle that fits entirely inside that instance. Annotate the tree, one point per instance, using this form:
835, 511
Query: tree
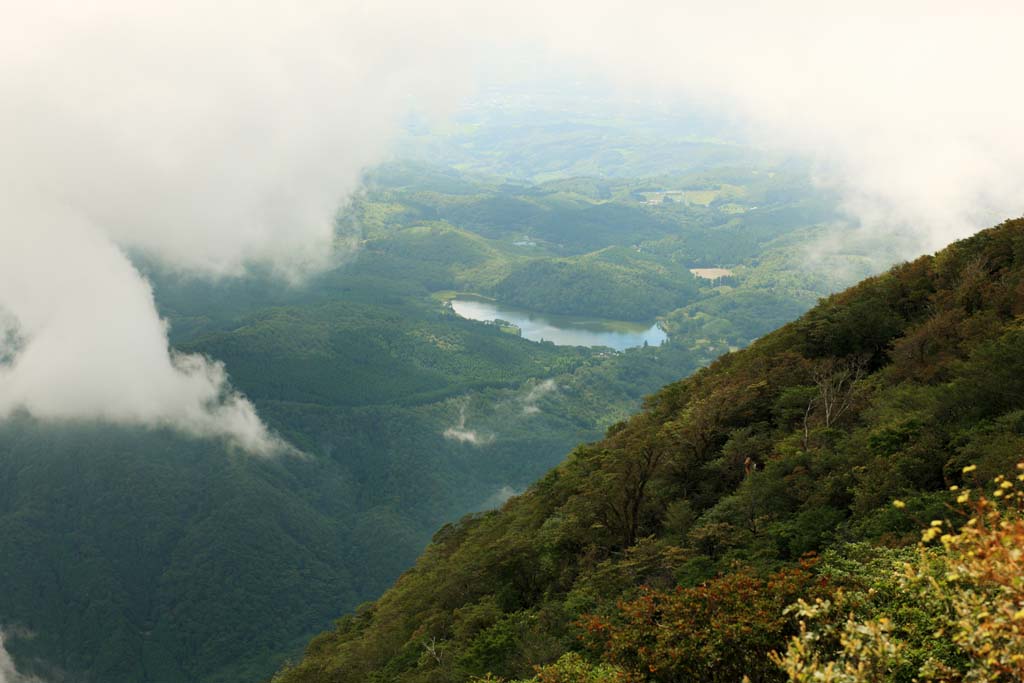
970, 587
835, 382
631, 469
719, 631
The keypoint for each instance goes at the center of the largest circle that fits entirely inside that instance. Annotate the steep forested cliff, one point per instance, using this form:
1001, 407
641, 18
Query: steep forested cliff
668, 550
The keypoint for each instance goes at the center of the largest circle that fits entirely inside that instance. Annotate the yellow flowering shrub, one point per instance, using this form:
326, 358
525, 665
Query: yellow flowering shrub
980, 582
971, 578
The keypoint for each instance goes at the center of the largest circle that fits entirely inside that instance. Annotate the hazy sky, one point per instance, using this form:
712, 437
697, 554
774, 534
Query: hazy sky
214, 135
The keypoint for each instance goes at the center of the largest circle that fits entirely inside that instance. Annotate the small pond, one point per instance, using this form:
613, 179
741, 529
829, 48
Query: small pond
562, 330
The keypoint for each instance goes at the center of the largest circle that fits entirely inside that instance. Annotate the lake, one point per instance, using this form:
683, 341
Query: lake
562, 330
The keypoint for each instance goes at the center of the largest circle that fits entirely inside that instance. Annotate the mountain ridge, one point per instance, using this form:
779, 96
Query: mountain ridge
795, 445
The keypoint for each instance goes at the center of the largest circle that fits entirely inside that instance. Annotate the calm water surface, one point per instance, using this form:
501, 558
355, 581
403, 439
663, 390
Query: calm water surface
563, 330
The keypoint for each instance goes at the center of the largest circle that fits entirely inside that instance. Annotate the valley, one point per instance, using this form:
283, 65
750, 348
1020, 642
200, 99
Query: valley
407, 415
805, 467
511, 342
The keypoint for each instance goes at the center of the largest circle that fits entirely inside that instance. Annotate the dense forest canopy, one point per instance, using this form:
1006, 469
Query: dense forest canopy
511, 342
407, 416
670, 549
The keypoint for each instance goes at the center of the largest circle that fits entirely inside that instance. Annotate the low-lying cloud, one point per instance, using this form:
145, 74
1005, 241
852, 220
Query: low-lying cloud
206, 137
8, 672
497, 499
459, 432
214, 136
95, 349
910, 109
468, 436
535, 394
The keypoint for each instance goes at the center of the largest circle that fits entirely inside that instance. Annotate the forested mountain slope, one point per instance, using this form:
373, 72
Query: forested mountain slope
408, 415
138, 555
795, 445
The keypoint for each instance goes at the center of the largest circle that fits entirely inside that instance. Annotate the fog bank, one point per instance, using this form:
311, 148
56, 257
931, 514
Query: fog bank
214, 136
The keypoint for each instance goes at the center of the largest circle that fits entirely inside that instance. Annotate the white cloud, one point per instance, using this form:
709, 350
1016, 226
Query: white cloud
459, 432
8, 672
96, 348
210, 136
470, 436
205, 136
911, 108
535, 394
497, 499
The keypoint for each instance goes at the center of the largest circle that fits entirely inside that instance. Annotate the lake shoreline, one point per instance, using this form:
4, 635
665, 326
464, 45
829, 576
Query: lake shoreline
561, 330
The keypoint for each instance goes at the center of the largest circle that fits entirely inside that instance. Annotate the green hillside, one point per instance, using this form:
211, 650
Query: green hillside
133, 555
408, 416
616, 283
667, 550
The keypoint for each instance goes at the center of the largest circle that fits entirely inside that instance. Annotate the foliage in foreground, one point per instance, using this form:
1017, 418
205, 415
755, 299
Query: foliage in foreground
967, 597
